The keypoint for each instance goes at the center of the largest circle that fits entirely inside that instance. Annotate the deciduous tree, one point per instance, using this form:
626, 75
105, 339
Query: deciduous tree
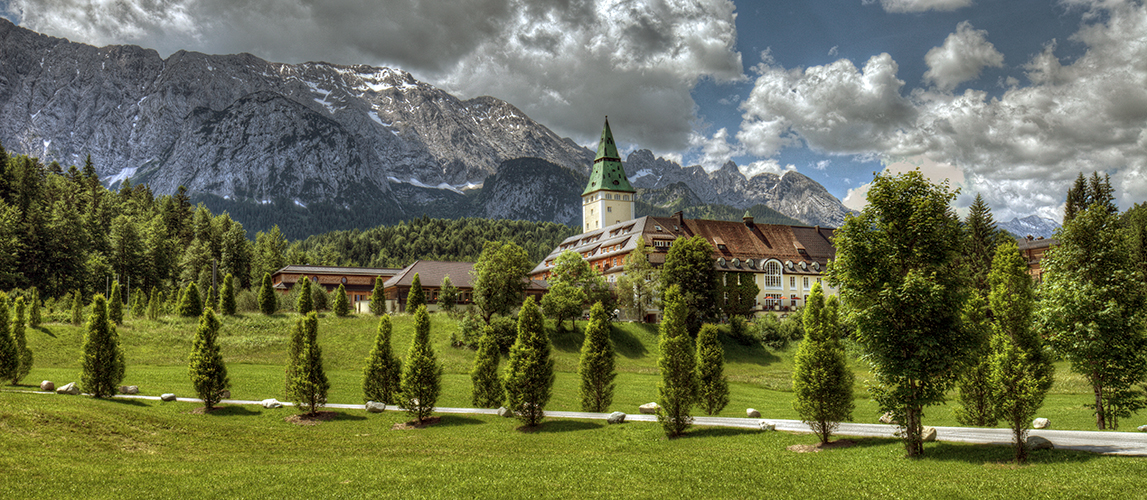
563, 301
637, 289
447, 295
899, 271
499, 278
689, 264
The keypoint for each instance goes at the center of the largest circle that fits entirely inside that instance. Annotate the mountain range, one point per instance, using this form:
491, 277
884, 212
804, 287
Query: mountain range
325, 146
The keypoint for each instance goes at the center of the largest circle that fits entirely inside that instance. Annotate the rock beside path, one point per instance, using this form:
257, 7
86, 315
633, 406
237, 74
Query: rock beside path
616, 418
887, 419
1143, 428
69, 388
375, 407
47, 386
1039, 443
768, 426
648, 408
129, 389
271, 403
225, 394
1041, 423
928, 434
505, 412
752, 413
167, 396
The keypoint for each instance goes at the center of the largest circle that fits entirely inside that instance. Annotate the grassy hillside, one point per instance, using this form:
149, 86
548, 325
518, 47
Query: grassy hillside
254, 348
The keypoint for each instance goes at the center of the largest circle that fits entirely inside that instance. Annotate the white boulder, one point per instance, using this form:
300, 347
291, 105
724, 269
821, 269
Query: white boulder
767, 426
167, 396
505, 412
928, 434
69, 388
375, 407
1143, 428
1040, 423
648, 408
753, 413
616, 418
271, 403
47, 386
129, 389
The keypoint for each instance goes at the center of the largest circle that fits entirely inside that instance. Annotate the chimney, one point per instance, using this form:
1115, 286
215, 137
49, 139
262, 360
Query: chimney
748, 219
679, 218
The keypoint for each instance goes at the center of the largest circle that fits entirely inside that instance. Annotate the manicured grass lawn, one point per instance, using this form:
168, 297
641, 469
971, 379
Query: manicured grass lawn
254, 348
78, 447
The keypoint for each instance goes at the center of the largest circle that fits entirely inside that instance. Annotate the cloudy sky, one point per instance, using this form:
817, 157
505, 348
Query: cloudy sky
1009, 99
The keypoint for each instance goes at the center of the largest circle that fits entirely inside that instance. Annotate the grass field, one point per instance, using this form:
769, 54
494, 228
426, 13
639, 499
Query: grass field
254, 348
56, 446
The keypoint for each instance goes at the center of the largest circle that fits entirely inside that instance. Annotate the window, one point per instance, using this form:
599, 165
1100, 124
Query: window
792, 281
609, 209
806, 283
773, 275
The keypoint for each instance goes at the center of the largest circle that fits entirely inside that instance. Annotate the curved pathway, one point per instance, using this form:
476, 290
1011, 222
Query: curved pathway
1107, 443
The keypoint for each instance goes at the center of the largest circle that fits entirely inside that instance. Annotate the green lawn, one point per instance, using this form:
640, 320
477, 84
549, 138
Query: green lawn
254, 348
78, 447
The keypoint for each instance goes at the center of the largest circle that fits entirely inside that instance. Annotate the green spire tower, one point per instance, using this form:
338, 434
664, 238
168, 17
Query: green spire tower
608, 197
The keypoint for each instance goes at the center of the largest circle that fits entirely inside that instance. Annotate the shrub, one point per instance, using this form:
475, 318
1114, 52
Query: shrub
505, 331
377, 299
22, 352
77, 308
320, 298
205, 364
189, 305
342, 302
741, 331
9, 355
247, 301
115, 305
34, 313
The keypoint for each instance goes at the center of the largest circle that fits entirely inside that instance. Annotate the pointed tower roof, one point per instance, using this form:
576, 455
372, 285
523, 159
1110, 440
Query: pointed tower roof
608, 172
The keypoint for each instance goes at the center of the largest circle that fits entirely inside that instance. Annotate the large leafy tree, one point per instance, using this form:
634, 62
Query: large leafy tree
739, 291
499, 278
898, 268
822, 382
421, 374
103, 361
677, 391
530, 371
570, 268
596, 365
637, 289
382, 377
447, 295
563, 301
1091, 307
689, 265
712, 385
205, 364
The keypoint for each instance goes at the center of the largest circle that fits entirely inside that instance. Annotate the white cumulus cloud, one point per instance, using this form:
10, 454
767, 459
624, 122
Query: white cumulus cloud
913, 6
962, 58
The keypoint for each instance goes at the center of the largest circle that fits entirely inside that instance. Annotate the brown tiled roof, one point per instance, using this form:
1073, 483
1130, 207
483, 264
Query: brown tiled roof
1035, 243
431, 272
340, 270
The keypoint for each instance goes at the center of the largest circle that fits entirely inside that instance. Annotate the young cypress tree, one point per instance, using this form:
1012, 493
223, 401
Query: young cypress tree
21, 343
34, 313
227, 296
103, 361
305, 303
677, 391
822, 382
311, 384
154, 304
973, 390
77, 308
294, 350
596, 365
416, 298
115, 305
138, 304
530, 372
447, 295
382, 377
342, 303
487, 387
712, 386
9, 356
421, 374
205, 364
190, 306
268, 303
377, 299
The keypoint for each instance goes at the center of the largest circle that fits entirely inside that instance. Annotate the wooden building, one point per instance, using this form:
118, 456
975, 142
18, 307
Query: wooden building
358, 281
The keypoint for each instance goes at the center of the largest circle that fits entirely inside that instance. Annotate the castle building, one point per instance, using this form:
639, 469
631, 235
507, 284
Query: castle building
785, 261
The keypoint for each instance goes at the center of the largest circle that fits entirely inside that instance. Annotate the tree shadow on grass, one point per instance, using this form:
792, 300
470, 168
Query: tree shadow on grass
45, 331
750, 354
233, 411
1003, 455
456, 421
341, 416
562, 425
700, 432
126, 401
627, 344
567, 339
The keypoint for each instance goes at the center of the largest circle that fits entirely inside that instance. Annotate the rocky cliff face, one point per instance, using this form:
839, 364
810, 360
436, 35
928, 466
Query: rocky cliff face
243, 128
791, 193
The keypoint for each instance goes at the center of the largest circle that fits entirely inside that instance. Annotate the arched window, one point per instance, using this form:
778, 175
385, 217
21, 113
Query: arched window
773, 274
